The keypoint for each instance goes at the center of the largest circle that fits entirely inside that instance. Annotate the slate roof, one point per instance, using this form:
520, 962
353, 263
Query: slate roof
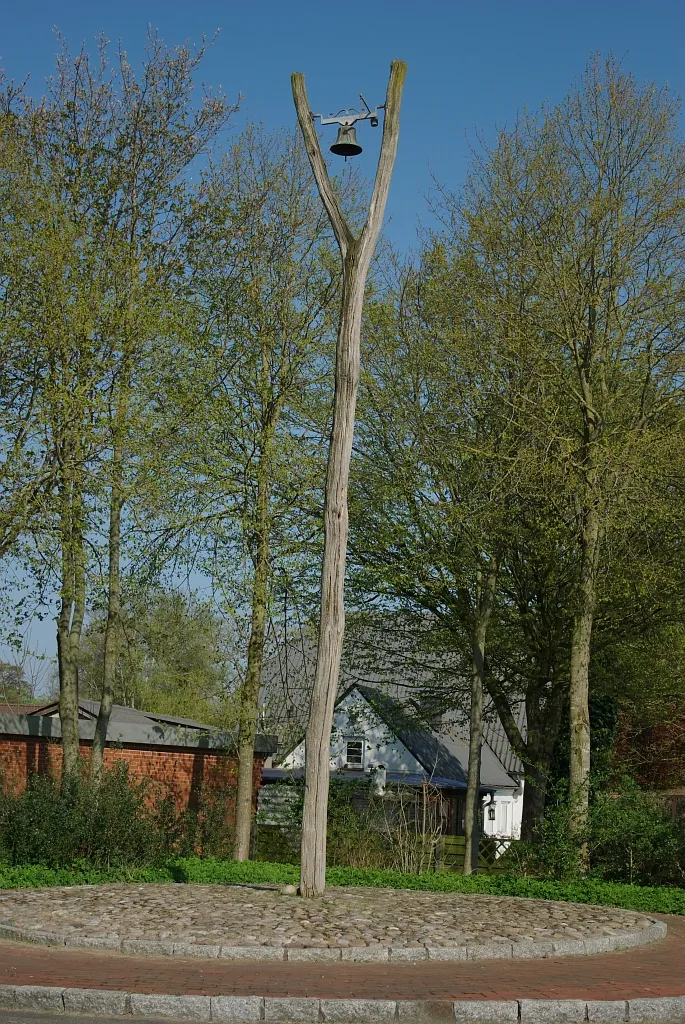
442, 755
406, 778
390, 665
123, 718
497, 739
90, 709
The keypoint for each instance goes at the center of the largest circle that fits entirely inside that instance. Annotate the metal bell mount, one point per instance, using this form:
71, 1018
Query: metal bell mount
346, 143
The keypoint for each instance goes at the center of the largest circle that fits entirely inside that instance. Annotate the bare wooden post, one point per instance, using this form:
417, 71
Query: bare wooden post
356, 256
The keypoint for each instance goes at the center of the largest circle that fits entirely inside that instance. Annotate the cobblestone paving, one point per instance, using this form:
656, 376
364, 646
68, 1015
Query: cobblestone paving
260, 916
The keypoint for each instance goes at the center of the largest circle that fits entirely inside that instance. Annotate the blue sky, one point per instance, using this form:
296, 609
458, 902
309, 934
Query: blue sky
471, 66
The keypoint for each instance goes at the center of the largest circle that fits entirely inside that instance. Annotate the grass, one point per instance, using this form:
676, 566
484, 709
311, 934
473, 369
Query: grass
654, 899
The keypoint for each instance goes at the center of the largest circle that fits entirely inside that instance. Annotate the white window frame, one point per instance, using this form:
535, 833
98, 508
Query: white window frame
355, 739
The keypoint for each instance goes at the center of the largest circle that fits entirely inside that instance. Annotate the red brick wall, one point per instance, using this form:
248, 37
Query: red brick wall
183, 774
654, 752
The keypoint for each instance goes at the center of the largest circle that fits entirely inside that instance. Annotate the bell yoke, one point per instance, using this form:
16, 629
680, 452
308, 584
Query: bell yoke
346, 143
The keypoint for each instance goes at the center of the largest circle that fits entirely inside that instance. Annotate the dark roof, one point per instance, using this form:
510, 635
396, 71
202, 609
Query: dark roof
443, 756
124, 716
497, 739
393, 778
8, 708
90, 709
386, 661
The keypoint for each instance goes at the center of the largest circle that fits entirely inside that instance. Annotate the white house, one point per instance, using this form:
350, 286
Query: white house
375, 734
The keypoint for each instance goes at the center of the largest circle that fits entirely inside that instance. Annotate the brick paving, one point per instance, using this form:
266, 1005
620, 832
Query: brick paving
646, 972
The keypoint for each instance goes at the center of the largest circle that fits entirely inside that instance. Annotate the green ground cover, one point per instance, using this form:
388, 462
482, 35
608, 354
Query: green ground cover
655, 899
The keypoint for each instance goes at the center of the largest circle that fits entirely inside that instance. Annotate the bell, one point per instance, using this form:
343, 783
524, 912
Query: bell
346, 143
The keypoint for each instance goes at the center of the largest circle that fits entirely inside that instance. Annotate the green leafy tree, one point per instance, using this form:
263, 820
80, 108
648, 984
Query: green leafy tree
263, 288
581, 208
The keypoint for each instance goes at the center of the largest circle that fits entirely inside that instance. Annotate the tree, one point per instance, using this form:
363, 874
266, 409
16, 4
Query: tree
265, 287
356, 254
148, 134
173, 656
582, 207
434, 466
106, 157
15, 688
27, 469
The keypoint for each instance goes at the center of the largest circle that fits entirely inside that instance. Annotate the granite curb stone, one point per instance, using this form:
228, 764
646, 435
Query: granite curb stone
607, 1009
147, 947
309, 954
96, 1001
289, 1008
193, 949
31, 997
101, 1002
425, 1011
552, 1011
366, 954
447, 953
252, 953
88, 942
486, 1009
489, 951
178, 1007
532, 950
345, 1011
408, 953
671, 1008
375, 953
237, 1008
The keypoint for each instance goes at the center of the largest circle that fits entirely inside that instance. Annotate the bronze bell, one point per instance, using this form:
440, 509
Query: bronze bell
346, 143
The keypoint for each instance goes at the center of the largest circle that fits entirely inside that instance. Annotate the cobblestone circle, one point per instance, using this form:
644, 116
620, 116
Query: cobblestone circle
260, 922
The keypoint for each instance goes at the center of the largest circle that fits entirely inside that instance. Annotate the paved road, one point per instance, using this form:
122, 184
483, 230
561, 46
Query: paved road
651, 971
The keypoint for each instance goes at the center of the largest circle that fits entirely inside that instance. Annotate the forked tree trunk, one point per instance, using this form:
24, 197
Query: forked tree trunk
356, 256
113, 626
579, 777
249, 693
485, 598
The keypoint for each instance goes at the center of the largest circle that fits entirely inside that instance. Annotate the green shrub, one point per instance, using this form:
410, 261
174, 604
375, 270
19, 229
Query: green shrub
634, 838
631, 837
364, 830
648, 899
58, 827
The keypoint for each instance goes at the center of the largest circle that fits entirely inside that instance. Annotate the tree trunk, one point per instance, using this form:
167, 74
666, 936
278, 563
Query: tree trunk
249, 694
70, 618
356, 256
535, 752
534, 796
332, 622
543, 710
579, 779
485, 597
472, 808
113, 627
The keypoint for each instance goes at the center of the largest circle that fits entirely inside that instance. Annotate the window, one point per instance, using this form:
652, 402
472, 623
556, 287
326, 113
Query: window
354, 753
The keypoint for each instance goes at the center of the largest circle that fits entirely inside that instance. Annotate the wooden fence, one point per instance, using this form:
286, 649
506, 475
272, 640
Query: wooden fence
449, 854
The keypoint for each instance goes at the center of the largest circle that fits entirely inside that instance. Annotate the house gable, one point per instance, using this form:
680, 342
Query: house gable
354, 720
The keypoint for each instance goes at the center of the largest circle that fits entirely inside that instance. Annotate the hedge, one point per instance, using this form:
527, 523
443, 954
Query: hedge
654, 899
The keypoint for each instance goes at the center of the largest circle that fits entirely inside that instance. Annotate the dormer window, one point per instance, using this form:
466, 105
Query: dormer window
354, 753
